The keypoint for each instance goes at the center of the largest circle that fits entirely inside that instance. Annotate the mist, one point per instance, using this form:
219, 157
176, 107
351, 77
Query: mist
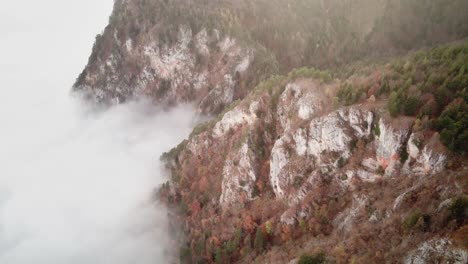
76, 183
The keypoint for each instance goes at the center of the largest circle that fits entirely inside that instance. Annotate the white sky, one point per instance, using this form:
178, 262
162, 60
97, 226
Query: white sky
48, 40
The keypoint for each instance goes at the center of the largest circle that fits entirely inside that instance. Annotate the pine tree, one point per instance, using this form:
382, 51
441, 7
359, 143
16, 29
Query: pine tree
259, 242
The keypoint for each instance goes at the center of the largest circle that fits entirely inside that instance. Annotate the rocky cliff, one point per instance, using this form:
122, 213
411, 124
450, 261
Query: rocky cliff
360, 159
214, 52
291, 166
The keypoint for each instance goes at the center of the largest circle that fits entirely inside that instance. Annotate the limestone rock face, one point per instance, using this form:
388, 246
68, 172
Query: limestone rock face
287, 157
321, 145
335, 132
234, 119
299, 99
279, 159
424, 156
313, 143
440, 249
389, 144
198, 67
239, 177
345, 220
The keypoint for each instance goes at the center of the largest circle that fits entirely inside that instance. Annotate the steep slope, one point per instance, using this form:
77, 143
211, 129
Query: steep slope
363, 160
309, 163
165, 50
213, 52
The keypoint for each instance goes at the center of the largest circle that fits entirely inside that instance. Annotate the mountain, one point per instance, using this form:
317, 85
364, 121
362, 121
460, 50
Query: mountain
214, 52
339, 131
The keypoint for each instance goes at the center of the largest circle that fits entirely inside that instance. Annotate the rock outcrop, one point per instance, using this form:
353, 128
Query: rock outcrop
239, 177
440, 250
196, 67
178, 51
303, 164
347, 161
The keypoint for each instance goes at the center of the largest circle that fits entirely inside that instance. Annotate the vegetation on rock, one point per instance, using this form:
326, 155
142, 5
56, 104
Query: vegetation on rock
317, 72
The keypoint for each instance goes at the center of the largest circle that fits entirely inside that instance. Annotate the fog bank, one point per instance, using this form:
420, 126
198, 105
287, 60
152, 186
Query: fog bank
75, 184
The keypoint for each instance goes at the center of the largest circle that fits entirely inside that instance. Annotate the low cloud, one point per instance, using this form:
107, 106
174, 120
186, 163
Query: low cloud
76, 184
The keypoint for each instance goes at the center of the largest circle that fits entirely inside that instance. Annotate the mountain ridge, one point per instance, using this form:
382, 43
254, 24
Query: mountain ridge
200, 51
282, 157
315, 151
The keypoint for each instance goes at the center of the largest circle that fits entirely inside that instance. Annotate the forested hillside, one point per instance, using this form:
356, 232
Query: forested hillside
362, 165
339, 128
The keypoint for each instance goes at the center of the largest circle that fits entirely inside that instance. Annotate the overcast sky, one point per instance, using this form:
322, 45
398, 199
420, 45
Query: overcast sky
48, 40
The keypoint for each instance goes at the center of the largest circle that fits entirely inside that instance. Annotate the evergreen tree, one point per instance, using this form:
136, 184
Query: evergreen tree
259, 242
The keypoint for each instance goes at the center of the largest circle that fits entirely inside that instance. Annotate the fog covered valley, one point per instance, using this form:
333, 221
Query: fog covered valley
76, 182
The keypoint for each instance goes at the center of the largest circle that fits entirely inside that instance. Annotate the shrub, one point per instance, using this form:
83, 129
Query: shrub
411, 219
259, 242
341, 162
353, 144
453, 124
426, 223
164, 87
268, 227
247, 245
200, 128
238, 237
231, 247
349, 95
403, 155
219, 256
298, 181
318, 258
380, 170
302, 224
173, 153
377, 129
410, 106
394, 104
384, 88
200, 246
184, 209
305, 72
185, 255
255, 191
457, 210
